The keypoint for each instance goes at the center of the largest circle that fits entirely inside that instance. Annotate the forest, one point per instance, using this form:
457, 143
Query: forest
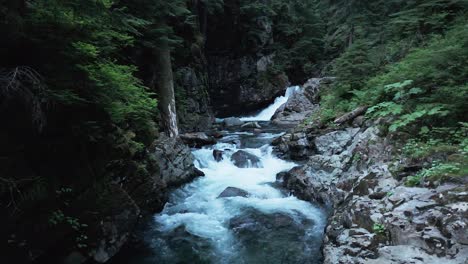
88, 86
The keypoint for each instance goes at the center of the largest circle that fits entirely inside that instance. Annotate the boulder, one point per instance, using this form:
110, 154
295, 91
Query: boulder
197, 139
232, 121
243, 159
175, 161
295, 110
233, 192
295, 146
189, 248
119, 217
218, 155
261, 234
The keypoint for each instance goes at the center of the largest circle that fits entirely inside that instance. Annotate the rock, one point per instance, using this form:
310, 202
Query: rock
175, 161
295, 110
358, 121
215, 134
195, 249
232, 121
295, 146
197, 139
119, 218
264, 62
218, 155
243, 159
257, 131
197, 114
309, 186
238, 87
403, 254
335, 142
233, 192
251, 125
347, 171
261, 235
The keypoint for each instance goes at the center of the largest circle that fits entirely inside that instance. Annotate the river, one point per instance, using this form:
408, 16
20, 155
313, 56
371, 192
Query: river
259, 222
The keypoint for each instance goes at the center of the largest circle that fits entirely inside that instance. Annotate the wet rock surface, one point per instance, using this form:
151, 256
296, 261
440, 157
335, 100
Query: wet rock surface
300, 105
197, 113
261, 235
233, 192
175, 161
244, 159
197, 139
218, 155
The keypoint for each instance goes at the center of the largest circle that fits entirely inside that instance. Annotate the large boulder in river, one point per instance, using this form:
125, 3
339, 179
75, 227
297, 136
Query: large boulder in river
233, 192
262, 234
232, 121
218, 155
198, 139
244, 159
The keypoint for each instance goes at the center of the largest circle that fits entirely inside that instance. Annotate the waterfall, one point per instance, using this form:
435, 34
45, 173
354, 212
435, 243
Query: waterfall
267, 113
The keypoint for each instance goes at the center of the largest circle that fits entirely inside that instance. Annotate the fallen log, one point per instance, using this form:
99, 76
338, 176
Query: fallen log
351, 115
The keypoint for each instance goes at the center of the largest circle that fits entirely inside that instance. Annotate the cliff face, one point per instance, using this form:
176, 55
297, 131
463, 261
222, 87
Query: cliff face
240, 76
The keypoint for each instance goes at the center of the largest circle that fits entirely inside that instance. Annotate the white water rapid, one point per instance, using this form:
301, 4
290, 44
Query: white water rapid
267, 113
267, 226
263, 224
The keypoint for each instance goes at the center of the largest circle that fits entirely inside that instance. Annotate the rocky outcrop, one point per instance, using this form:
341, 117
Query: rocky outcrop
218, 155
238, 87
193, 102
175, 162
233, 192
301, 104
239, 68
244, 159
197, 139
261, 234
374, 217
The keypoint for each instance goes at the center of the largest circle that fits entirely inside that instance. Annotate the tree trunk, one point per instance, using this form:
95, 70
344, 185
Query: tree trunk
351, 115
165, 90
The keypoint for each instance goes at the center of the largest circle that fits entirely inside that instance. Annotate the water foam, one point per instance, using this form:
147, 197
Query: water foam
267, 113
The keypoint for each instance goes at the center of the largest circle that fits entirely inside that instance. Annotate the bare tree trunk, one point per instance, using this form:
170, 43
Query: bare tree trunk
351, 115
165, 90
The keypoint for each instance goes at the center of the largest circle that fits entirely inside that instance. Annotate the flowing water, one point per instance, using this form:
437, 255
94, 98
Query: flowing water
267, 113
266, 226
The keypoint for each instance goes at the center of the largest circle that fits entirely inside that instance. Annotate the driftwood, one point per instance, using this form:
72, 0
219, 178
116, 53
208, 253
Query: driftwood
351, 115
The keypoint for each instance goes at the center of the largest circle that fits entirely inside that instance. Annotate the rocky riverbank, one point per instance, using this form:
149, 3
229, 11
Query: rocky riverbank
357, 172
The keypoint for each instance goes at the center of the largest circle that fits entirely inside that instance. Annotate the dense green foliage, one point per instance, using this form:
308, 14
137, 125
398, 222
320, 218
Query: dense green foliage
297, 33
406, 61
